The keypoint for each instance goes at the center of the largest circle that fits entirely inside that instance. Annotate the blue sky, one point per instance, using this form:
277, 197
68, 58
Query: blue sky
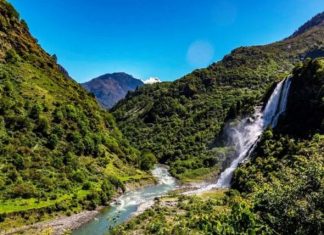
157, 38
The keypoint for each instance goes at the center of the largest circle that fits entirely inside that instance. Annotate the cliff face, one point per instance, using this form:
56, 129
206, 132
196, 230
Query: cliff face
111, 88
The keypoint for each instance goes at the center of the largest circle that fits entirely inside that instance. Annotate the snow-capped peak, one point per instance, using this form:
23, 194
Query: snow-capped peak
152, 80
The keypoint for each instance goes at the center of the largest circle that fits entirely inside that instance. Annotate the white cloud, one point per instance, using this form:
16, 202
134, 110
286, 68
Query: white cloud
152, 80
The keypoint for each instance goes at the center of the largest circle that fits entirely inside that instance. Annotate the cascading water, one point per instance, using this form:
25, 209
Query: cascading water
246, 133
283, 101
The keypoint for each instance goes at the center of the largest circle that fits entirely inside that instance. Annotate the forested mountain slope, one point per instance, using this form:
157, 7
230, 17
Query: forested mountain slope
180, 121
58, 149
285, 176
279, 190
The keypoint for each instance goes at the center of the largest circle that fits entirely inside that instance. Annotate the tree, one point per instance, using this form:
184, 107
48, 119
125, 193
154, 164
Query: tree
147, 161
35, 111
24, 190
54, 57
11, 56
52, 141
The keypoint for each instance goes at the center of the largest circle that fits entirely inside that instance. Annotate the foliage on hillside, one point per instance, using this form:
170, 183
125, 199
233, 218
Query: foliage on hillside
179, 121
284, 179
279, 190
285, 176
225, 214
58, 149
305, 114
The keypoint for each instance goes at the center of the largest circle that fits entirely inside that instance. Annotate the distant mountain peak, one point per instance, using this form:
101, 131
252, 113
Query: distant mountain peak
152, 80
116, 76
112, 87
317, 20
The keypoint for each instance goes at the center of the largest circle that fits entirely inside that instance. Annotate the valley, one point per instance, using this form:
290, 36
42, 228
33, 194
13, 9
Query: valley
233, 148
277, 190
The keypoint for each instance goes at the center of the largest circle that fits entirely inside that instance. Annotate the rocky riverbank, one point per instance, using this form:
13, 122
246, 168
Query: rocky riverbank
56, 226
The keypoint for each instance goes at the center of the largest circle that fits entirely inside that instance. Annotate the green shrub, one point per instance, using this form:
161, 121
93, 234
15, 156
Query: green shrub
3, 217
86, 186
35, 111
147, 161
79, 176
52, 141
12, 56
24, 190
43, 126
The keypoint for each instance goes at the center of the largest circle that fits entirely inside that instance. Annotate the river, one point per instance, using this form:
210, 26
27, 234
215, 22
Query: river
128, 204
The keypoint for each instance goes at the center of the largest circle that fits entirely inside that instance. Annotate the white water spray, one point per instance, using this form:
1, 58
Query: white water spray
246, 133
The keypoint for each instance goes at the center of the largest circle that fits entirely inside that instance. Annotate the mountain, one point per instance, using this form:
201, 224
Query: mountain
284, 175
279, 189
111, 88
315, 22
59, 151
182, 121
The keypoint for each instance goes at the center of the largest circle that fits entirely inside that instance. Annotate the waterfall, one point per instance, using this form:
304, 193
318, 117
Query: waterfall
283, 101
245, 134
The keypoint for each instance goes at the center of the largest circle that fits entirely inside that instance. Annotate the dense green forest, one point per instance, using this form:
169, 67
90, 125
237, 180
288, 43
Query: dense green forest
59, 151
279, 190
180, 122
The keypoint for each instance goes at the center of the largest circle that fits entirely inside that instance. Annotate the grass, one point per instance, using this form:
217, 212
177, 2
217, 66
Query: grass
214, 194
198, 175
18, 205
124, 173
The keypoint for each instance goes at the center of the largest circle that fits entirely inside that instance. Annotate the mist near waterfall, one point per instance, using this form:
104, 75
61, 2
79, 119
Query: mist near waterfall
243, 135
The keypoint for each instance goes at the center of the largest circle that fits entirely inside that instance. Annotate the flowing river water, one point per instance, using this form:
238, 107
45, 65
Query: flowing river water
243, 136
128, 204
